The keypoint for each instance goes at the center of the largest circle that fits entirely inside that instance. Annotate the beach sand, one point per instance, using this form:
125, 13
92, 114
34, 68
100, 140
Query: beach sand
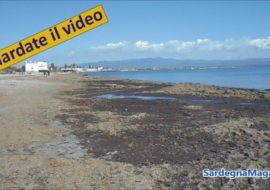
57, 134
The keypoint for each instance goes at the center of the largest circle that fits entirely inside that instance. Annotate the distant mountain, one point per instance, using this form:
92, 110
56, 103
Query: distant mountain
164, 63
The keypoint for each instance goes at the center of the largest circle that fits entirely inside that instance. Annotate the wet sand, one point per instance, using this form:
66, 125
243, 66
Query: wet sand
64, 132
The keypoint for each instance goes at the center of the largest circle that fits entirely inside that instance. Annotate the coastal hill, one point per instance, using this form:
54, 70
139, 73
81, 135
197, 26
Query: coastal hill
165, 63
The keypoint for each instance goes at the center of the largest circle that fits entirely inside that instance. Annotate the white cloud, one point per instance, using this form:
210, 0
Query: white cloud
110, 46
200, 44
262, 43
198, 48
146, 45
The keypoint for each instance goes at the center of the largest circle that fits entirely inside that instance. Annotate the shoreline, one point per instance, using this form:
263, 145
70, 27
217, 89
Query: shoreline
56, 134
85, 74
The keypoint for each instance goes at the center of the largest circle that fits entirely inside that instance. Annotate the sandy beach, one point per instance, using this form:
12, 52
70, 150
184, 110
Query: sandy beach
68, 131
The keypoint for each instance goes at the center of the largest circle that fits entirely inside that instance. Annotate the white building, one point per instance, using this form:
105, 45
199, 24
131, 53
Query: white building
82, 70
94, 69
36, 66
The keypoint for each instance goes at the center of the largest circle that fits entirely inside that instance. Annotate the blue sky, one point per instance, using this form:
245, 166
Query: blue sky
137, 29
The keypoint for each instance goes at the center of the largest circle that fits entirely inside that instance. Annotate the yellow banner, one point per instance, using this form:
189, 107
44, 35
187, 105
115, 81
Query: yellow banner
52, 36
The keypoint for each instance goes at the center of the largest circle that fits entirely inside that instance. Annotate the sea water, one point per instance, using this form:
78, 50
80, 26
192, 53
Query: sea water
244, 77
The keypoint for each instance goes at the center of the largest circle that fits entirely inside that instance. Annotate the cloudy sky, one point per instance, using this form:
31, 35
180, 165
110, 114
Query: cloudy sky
139, 29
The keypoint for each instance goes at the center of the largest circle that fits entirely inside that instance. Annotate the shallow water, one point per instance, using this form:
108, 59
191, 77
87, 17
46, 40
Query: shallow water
119, 96
168, 98
247, 104
207, 101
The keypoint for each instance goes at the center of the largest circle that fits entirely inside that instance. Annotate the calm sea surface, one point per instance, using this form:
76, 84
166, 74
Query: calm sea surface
245, 77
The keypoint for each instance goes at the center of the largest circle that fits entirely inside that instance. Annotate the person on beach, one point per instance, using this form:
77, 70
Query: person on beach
46, 73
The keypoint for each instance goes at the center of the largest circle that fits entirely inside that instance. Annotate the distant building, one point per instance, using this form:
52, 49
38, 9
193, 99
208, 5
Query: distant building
36, 66
53, 68
94, 69
80, 69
